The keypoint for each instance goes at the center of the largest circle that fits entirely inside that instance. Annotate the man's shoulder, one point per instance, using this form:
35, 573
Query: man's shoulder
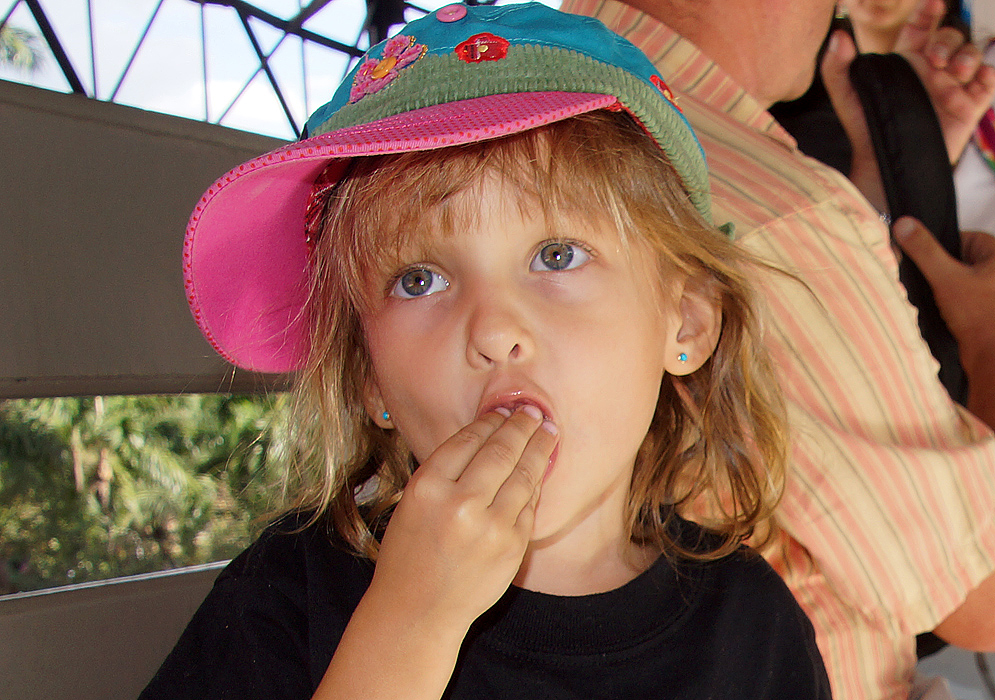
757, 179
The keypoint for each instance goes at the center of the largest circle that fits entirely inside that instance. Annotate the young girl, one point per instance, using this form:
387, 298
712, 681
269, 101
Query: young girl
523, 353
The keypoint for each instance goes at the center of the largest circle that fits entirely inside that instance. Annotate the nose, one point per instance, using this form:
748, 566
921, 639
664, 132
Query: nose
498, 333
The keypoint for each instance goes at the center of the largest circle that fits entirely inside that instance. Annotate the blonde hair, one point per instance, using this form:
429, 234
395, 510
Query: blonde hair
717, 439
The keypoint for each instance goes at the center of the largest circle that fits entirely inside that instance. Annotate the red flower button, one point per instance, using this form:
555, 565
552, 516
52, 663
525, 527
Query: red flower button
482, 47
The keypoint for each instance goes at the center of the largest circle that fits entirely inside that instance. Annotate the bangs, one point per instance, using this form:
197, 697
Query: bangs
389, 208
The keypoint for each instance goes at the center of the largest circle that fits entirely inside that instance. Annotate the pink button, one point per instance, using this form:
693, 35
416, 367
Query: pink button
451, 13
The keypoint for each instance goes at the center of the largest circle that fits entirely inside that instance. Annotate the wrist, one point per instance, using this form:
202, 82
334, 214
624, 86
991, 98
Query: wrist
411, 654
415, 616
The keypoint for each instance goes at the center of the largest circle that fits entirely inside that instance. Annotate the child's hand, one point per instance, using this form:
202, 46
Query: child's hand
459, 534
454, 544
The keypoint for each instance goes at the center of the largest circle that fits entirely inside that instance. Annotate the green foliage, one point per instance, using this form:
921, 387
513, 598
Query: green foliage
92, 488
19, 48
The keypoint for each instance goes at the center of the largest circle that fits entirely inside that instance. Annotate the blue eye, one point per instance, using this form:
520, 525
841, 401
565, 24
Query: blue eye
418, 282
557, 256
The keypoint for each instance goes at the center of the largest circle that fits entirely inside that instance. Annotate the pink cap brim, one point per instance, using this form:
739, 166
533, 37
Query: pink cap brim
245, 255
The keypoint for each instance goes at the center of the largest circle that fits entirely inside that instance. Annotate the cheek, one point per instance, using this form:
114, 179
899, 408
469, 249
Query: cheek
909, 7
395, 342
413, 374
620, 364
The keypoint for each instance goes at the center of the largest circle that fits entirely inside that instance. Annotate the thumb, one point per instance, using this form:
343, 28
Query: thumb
836, 77
926, 252
835, 68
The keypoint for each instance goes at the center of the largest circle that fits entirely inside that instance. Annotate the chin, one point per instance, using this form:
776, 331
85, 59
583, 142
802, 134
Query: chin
799, 87
544, 528
552, 524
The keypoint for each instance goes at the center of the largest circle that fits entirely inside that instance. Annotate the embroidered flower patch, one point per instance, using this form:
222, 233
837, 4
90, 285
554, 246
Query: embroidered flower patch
374, 75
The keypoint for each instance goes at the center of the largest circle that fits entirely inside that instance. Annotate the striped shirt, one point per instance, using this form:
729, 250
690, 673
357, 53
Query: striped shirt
888, 519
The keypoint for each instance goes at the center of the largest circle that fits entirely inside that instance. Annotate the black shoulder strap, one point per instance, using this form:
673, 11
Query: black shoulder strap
918, 181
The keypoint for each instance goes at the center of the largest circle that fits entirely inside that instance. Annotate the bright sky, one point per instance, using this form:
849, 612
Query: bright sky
167, 73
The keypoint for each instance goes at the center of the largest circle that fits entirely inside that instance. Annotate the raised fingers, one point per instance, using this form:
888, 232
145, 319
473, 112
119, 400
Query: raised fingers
960, 86
965, 58
518, 494
948, 49
451, 458
917, 33
982, 85
502, 454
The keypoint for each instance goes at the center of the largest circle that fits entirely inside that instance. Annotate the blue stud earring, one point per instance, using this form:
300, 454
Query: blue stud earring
386, 415
683, 357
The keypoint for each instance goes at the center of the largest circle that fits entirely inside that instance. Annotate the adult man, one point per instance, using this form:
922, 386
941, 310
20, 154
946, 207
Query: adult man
888, 522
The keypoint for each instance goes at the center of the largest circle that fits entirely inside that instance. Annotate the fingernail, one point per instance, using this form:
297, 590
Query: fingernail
550, 427
834, 42
532, 411
903, 228
503, 410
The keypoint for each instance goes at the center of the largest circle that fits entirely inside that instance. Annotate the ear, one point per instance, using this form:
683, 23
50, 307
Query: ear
695, 339
374, 404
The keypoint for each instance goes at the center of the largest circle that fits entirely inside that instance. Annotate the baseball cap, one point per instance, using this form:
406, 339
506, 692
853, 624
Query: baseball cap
459, 75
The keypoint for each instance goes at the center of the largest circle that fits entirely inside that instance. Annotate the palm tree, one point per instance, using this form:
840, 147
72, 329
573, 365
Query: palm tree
19, 48
105, 486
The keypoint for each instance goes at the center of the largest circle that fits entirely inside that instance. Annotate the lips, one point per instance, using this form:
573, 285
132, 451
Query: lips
512, 401
552, 462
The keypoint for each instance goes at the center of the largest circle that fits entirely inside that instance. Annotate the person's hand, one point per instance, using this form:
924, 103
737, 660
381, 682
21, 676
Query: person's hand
965, 296
835, 67
453, 546
959, 84
459, 534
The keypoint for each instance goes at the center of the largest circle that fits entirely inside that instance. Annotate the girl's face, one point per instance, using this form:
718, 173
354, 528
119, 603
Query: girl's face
880, 15
504, 312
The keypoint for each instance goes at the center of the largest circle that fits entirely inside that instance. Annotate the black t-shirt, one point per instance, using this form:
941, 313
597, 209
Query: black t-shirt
683, 629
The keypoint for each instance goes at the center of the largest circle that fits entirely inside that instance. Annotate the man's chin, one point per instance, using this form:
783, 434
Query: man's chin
799, 87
